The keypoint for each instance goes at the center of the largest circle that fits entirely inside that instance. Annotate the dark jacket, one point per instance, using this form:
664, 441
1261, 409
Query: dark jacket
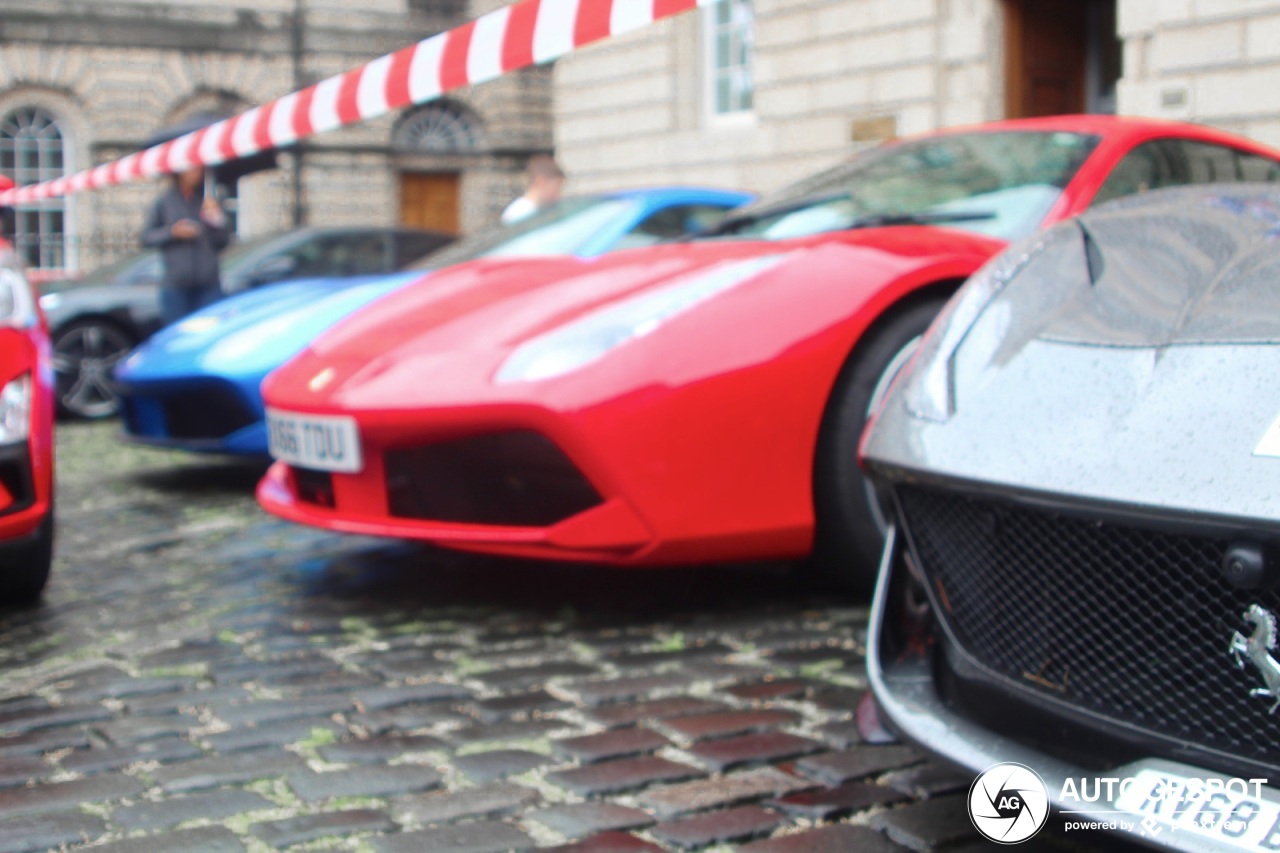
187, 263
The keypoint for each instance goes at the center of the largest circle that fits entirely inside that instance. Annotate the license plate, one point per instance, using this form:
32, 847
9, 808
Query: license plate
325, 443
1232, 814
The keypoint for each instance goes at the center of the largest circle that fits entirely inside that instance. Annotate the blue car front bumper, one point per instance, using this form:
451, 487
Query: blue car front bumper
204, 415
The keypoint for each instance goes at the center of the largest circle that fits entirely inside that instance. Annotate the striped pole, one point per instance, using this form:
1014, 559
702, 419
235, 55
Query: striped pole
527, 33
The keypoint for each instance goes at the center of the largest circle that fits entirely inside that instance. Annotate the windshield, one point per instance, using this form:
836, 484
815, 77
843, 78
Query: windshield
998, 184
562, 229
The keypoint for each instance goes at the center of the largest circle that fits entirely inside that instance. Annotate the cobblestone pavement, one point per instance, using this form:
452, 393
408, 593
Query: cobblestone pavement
201, 677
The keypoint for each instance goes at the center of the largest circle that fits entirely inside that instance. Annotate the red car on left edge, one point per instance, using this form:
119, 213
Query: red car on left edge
26, 435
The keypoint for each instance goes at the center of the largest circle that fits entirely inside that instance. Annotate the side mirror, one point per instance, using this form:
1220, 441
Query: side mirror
273, 269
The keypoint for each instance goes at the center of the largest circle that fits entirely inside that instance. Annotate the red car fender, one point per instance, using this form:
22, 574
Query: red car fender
710, 456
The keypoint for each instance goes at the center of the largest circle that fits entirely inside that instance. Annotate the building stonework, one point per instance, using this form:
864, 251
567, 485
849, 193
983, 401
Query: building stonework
833, 76
830, 77
114, 73
1216, 61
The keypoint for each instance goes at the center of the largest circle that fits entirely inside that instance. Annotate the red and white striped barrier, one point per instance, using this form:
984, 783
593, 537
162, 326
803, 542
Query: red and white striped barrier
526, 33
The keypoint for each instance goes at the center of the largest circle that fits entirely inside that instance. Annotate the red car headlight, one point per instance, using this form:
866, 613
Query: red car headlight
15, 410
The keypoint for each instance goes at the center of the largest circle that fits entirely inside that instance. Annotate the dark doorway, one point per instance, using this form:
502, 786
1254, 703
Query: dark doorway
1062, 56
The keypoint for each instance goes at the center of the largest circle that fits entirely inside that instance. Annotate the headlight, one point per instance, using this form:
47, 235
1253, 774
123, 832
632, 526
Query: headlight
930, 390
50, 301
589, 338
17, 305
15, 410
200, 324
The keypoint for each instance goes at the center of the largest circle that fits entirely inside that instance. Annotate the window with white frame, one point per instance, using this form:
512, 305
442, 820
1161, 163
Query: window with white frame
730, 33
33, 149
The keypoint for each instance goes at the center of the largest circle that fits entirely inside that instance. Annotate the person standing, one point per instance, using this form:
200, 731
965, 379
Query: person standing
546, 181
190, 229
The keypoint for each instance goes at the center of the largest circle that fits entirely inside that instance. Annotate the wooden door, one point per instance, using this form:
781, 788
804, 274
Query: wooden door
430, 200
1046, 49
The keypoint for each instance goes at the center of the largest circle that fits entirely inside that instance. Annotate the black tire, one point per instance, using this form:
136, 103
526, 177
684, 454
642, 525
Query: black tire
24, 569
850, 525
84, 354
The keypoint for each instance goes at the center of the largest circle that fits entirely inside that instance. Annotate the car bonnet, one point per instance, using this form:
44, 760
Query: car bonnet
258, 330
484, 309
1131, 361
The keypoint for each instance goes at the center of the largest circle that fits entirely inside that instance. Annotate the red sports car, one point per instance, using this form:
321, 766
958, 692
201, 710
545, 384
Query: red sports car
26, 435
697, 401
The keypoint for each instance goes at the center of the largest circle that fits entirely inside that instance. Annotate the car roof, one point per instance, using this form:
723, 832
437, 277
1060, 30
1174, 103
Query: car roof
1110, 126
659, 193
322, 230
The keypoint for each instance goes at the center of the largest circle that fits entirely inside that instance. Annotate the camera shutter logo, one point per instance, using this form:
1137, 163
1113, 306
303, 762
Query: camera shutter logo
1008, 803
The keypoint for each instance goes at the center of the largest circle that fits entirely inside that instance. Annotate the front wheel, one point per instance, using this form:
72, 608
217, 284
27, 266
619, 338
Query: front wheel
850, 518
85, 353
24, 569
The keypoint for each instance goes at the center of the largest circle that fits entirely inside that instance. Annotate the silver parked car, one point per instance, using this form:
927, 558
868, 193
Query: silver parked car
1082, 572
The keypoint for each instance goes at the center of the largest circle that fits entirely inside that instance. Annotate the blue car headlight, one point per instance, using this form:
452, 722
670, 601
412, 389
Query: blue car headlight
589, 338
201, 323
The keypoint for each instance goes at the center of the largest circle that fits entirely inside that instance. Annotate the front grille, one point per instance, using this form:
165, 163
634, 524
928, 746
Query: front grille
1129, 623
517, 478
209, 412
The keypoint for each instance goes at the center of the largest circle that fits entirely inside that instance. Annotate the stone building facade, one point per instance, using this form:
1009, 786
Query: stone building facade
1214, 61
84, 81
826, 77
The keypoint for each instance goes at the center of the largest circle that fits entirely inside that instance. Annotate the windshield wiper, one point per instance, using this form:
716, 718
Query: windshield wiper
885, 220
737, 222
741, 222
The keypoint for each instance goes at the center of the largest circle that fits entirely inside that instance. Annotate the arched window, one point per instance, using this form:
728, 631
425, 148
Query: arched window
32, 149
439, 128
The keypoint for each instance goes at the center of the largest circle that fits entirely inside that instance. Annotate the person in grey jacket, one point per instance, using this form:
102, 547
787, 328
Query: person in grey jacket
190, 230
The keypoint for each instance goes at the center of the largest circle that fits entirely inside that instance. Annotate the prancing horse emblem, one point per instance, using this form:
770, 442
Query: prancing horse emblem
1256, 647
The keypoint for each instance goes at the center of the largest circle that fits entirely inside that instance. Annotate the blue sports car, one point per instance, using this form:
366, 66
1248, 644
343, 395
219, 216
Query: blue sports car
194, 385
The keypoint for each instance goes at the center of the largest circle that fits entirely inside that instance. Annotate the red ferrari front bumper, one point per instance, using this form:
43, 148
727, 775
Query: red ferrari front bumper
604, 533
528, 481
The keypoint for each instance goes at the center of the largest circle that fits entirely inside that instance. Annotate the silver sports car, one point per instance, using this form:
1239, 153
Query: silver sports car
1082, 472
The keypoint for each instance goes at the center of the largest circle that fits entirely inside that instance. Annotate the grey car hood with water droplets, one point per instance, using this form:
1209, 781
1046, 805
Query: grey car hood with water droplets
1133, 360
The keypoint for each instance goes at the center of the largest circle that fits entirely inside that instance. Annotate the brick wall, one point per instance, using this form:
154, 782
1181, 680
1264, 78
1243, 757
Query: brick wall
834, 74
113, 73
1215, 61
830, 76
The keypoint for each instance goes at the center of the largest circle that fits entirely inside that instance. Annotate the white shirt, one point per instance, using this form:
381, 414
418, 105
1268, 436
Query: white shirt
518, 209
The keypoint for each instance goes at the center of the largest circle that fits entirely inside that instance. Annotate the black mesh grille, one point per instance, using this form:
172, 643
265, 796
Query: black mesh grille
209, 412
1130, 623
516, 478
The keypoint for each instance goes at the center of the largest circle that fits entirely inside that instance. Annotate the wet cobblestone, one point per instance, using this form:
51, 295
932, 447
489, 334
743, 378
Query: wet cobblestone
201, 677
